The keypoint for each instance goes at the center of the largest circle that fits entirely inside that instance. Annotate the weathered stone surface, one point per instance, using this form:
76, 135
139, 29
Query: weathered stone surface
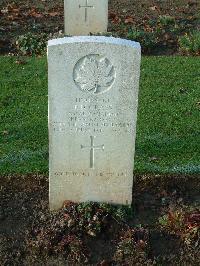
83, 17
93, 98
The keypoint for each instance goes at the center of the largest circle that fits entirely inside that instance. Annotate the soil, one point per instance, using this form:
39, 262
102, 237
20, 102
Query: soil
24, 205
20, 16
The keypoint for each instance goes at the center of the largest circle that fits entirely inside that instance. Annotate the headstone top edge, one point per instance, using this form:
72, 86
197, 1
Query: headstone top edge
94, 39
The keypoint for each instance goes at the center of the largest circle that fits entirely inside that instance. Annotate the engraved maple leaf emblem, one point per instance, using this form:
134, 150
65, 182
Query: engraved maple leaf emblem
94, 74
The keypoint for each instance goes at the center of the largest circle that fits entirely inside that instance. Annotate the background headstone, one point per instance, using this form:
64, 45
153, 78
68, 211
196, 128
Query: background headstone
83, 17
93, 98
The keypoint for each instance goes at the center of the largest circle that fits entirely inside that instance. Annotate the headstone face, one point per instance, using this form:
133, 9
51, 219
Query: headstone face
93, 98
83, 17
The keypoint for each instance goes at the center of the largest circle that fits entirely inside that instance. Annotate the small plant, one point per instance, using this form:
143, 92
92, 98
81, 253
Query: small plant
173, 221
184, 223
63, 232
95, 218
30, 44
148, 40
166, 20
133, 247
190, 43
75, 247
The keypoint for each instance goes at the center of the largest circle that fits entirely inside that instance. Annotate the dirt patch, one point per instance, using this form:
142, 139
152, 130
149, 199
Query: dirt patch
25, 221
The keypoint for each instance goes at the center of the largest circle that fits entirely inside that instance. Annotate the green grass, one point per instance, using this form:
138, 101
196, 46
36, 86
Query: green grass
168, 131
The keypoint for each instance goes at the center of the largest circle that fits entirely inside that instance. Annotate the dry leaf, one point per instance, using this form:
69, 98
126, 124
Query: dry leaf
53, 14
153, 8
129, 19
20, 62
5, 132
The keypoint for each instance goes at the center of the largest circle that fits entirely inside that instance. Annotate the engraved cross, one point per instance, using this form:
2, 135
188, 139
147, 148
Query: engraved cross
92, 148
86, 6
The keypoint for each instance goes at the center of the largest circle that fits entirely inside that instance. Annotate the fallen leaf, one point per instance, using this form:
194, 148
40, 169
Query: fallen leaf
129, 19
4, 11
67, 203
15, 10
154, 158
183, 90
35, 14
103, 263
20, 62
166, 36
5, 132
91, 233
53, 14
153, 8
114, 18
117, 20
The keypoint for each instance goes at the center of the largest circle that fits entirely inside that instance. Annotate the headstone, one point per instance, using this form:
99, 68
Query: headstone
93, 98
83, 17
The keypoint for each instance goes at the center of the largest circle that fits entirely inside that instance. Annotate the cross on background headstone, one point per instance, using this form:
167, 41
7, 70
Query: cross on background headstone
86, 6
92, 149
83, 17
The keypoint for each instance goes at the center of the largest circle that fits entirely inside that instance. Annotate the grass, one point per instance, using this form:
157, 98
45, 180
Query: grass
167, 130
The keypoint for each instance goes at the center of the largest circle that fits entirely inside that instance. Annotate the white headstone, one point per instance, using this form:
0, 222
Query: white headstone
83, 17
93, 98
